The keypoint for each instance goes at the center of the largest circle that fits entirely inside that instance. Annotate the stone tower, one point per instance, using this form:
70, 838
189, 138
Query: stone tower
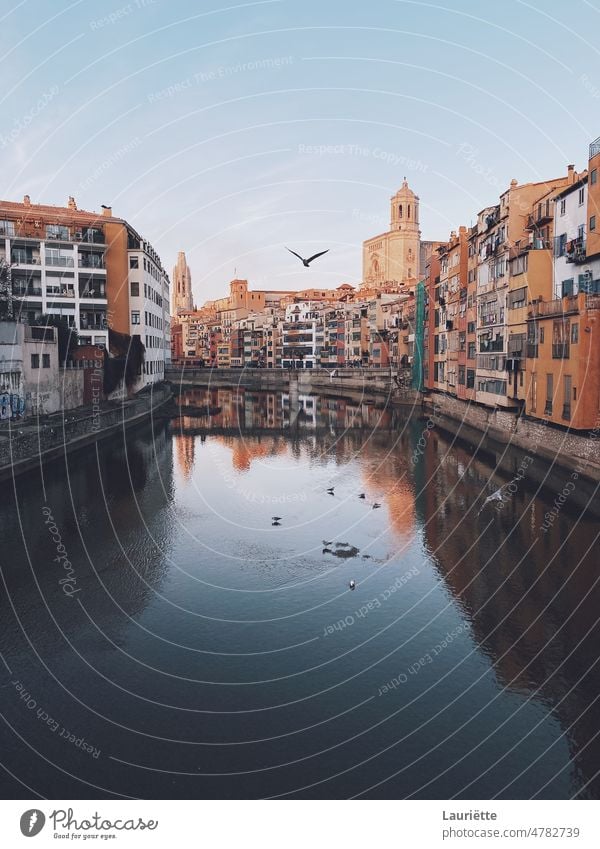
182, 286
392, 258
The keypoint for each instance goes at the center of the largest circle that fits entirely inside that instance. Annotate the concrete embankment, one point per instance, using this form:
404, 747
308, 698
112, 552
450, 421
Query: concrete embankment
547, 455
27, 443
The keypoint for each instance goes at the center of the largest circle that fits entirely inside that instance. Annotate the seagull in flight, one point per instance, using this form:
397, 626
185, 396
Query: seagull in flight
307, 262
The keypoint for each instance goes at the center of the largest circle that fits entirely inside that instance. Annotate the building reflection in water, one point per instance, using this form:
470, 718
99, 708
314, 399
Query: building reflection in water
535, 616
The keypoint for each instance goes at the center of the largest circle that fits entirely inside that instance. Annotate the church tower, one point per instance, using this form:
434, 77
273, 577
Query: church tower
392, 258
182, 286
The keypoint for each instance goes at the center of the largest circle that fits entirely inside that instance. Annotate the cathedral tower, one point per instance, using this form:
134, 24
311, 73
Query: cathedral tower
182, 286
392, 258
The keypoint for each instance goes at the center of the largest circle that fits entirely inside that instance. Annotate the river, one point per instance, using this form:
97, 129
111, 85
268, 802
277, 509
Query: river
160, 637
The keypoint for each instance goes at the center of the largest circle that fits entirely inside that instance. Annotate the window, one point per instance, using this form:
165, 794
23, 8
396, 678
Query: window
567, 384
471, 327
517, 298
134, 262
592, 222
567, 287
471, 351
563, 206
135, 316
45, 360
549, 393
593, 177
461, 375
541, 335
533, 403
581, 196
35, 361
135, 289
470, 378
574, 333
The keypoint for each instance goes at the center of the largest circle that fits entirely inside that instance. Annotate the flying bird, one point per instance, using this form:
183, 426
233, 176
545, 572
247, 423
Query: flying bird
307, 262
376, 506
361, 495
332, 374
276, 521
331, 490
352, 584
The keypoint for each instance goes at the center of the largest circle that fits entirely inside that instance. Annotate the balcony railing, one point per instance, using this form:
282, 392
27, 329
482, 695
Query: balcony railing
89, 262
575, 250
559, 306
22, 259
27, 291
62, 261
566, 412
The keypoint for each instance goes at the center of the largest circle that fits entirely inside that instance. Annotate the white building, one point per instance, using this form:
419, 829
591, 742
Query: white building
302, 335
573, 272
59, 271
149, 307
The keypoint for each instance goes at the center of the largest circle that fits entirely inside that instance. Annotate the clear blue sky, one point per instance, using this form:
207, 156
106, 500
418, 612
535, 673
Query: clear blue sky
195, 120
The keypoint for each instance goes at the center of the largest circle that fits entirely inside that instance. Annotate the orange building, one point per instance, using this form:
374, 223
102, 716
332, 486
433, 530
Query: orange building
563, 361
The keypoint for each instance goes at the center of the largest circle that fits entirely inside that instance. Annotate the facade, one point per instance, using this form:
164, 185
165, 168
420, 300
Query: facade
394, 257
149, 318
82, 266
58, 258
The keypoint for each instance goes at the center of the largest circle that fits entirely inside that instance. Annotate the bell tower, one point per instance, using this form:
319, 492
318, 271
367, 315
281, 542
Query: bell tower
405, 210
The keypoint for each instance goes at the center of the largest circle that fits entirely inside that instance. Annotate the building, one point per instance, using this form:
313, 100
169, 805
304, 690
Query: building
149, 317
183, 300
94, 270
394, 257
58, 257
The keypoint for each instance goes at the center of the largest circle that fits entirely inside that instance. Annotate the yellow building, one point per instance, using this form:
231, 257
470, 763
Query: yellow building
393, 257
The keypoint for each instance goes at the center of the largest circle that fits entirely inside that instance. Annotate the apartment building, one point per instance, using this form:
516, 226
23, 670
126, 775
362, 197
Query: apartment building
302, 335
58, 259
81, 265
149, 317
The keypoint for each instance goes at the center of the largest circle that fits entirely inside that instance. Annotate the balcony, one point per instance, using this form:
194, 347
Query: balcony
27, 291
560, 350
91, 261
542, 214
594, 148
566, 412
575, 250
22, 258
90, 236
559, 306
60, 261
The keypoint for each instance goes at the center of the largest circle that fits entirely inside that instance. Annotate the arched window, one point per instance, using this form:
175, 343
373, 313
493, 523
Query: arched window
400, 211
408, 211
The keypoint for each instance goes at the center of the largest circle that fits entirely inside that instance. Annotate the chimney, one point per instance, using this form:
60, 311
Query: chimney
107, 211
571, 174
71, 204
26, 201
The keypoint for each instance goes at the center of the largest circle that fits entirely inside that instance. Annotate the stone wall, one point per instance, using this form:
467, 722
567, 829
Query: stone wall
22, 443
498, 430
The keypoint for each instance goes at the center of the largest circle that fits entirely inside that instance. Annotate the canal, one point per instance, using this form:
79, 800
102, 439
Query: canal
162, 635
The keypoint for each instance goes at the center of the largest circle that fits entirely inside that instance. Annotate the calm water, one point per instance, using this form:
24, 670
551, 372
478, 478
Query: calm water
196, 650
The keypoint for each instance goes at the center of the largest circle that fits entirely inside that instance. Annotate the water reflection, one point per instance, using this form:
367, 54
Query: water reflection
210, 653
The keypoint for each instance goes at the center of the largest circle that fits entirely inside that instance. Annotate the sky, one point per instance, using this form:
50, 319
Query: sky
231, 130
